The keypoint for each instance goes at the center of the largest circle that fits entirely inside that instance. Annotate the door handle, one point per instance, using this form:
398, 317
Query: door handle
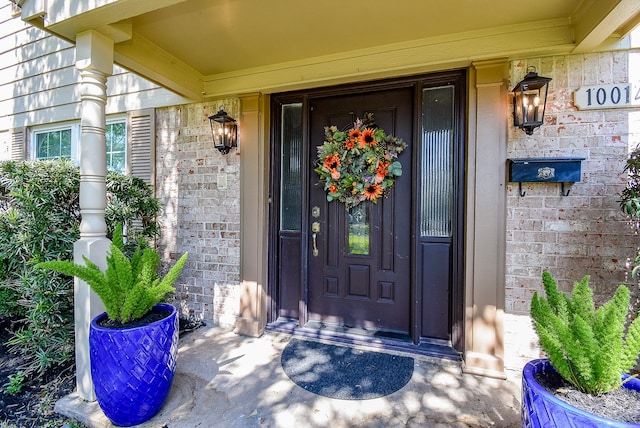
315, 247
315, 228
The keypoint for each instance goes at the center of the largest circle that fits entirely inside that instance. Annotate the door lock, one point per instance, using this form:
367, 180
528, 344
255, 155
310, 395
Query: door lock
315, 227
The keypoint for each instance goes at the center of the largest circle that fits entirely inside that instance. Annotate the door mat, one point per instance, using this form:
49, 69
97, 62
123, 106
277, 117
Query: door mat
344, 373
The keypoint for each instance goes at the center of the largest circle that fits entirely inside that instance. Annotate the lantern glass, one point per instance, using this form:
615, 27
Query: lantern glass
529, 102
224, 131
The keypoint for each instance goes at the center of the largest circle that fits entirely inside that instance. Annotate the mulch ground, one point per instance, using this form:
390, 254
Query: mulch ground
34, 406
621, 404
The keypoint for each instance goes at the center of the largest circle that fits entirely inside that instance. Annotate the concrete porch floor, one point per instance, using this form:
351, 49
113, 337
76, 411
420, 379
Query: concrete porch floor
226, 380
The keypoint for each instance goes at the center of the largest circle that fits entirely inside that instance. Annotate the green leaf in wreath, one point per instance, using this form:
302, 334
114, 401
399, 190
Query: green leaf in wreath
339, 136
395, 169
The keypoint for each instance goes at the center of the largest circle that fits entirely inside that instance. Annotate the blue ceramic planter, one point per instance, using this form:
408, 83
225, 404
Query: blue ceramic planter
132, 369
541, 409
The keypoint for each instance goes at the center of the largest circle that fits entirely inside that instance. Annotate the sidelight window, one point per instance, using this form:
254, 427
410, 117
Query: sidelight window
291, 159
437, 169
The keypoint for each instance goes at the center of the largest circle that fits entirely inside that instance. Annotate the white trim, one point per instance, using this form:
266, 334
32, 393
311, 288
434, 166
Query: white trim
40, 129
74, 126
117, 118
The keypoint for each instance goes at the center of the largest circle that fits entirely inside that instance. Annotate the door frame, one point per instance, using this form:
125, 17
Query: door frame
457, 289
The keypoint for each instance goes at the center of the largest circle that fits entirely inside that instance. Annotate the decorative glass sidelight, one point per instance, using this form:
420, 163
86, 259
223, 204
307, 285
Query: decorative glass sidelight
359, 226
436, 209
291, 158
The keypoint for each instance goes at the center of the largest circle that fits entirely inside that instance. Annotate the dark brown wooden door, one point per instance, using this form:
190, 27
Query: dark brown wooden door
361, 273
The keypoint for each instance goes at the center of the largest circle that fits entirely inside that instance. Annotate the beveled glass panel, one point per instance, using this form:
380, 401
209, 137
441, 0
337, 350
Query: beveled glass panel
436, 169
291, 159
359, 227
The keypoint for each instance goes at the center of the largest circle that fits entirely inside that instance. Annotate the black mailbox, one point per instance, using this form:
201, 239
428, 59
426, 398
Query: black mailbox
553, 170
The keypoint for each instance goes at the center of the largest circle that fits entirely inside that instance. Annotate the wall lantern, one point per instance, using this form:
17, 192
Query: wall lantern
530, 98
224, 130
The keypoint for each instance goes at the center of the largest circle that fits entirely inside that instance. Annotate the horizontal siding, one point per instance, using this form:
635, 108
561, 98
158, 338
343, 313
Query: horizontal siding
126, 83
33, 44
16, 69
39, 83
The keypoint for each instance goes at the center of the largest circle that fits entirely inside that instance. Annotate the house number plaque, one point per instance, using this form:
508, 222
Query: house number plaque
607, 96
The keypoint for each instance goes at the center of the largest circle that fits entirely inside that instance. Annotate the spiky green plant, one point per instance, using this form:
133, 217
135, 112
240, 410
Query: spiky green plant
129, 288
589, 348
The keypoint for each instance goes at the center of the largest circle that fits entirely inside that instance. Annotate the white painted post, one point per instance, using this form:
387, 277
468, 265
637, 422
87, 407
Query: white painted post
94, 59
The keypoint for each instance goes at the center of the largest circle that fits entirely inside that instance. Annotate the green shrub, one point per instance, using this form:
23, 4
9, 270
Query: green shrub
15, 383
9, 305
630, 202
39, 221
630, 205
588, 347
129, 288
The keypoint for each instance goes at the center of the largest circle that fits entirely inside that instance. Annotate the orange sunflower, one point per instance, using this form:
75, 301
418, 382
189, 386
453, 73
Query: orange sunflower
349, 144
354, 134
372, 192
332, 161
367, 138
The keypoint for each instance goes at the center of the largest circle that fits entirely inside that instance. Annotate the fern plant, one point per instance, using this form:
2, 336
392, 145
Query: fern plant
129, 288
589, 348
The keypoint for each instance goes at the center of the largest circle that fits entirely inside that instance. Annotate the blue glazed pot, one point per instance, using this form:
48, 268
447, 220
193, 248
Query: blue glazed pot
133, 368
541, 409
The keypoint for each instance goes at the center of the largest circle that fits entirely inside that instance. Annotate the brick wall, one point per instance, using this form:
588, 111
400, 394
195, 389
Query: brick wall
200, 214
585, 232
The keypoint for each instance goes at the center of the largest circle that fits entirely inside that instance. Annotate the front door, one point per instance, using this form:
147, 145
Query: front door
360, 258
390, 267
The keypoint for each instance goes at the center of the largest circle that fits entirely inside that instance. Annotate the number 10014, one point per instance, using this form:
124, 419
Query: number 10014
607, 96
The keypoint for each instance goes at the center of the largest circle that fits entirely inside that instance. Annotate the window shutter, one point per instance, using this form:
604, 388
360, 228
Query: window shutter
141, 147
18, 144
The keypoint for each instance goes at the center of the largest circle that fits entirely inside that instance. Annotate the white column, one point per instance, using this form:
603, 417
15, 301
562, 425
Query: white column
94, 59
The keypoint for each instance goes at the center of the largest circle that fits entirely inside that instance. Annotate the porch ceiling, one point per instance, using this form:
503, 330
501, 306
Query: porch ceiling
210, 48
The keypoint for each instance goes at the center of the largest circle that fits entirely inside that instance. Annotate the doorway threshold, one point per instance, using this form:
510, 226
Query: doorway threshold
382, 340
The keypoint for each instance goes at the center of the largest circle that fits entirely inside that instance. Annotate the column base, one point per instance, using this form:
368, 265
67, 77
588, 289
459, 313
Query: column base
248, 327
484, 365
87, 305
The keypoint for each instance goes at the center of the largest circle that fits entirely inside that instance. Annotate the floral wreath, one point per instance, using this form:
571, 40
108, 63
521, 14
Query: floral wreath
358, 164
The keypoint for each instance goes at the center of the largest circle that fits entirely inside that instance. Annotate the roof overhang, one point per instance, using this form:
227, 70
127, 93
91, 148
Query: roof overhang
212, 48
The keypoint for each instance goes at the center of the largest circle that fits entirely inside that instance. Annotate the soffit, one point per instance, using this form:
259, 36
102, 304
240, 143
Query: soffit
202, 48
227, 35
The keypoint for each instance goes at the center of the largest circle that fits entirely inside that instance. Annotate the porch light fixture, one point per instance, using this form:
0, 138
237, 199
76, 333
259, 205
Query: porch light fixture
224, 130
529, 101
